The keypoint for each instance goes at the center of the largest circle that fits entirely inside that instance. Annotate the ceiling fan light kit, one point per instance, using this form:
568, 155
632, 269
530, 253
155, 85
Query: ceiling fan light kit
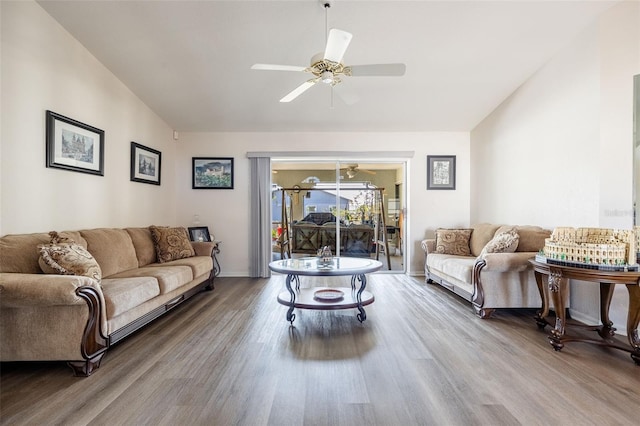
327, 77
327, 66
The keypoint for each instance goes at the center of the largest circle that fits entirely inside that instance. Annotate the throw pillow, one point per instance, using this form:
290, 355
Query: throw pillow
453, 241
171, 243
65, 257
506, 242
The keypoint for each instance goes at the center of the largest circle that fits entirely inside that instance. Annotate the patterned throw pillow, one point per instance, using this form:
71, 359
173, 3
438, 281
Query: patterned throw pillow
453, 241
506, 242
65, 257
171, 243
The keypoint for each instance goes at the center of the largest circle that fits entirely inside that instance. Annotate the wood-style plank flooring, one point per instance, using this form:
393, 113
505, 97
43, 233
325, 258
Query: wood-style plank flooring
228, 357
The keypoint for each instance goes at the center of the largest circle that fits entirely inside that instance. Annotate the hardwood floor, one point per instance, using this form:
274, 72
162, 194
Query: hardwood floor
228, 357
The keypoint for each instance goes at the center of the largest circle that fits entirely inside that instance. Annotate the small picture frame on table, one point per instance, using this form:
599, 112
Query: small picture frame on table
441, 172
145, 164
74, 146
199, 233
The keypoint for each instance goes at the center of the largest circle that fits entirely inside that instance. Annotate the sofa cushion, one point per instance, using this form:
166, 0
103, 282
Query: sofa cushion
532, 238
453, 241
65, 257
112, 248
143, 244
171, 243
506, 242
458, 267
199, 265
19, 253
481, 235
168, 278
123, 294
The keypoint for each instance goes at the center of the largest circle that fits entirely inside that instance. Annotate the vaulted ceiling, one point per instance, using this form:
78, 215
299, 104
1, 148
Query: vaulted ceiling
190, 60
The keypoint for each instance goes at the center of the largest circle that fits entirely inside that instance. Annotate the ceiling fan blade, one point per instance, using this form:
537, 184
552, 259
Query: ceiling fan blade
371, 172
270, 67
381, 70
299, 90
337, 44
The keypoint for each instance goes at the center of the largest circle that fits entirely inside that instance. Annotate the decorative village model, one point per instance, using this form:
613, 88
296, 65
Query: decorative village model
593, 248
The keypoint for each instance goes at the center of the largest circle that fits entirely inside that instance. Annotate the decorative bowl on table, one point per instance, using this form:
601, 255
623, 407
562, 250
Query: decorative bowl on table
328, 295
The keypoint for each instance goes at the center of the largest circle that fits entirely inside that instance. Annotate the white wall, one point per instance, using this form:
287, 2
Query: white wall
226, 211
534, 157
42, 68
558, 152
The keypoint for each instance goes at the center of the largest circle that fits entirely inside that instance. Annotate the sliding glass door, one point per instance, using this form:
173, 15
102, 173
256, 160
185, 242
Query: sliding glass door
354, 208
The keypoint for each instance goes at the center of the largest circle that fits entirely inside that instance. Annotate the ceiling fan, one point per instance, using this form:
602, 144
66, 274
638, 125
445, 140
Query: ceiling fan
352, 170
327, 66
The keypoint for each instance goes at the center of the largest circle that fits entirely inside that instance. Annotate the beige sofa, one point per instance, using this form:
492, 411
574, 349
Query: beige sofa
76, 318
489, 280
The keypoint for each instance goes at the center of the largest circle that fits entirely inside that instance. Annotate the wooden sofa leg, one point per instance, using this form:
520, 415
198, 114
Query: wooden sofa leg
86, 367
209, 286
483, 313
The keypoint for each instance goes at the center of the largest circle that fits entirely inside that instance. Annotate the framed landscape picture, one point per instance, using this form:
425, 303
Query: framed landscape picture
212, 173
441, 172
145, 164
72, 145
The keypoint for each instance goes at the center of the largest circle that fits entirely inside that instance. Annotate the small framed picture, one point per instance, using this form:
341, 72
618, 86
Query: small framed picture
199, 233
212, 173
441, 172
75, 146
145, 164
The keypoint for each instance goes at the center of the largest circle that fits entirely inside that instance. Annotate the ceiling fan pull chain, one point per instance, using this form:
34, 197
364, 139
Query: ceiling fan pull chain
331, 106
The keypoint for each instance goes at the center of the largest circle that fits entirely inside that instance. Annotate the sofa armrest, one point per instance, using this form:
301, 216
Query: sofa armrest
508, 262
204, 248
74, 330
429, 245
18, 290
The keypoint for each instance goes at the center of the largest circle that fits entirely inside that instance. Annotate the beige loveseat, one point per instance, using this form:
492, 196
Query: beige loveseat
489, 279
76, 318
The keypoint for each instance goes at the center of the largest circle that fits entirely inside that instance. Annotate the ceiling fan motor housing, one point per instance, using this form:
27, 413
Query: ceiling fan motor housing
327, 70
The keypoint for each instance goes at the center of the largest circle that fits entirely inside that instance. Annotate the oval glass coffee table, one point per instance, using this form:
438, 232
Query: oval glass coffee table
326, 298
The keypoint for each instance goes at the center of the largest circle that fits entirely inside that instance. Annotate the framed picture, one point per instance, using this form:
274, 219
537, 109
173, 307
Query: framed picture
75, 146
212, 173
145, 164
441, 172
199, 233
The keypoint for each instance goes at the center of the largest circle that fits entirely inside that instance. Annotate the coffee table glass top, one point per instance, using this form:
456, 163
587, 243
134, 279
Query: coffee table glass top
313, 266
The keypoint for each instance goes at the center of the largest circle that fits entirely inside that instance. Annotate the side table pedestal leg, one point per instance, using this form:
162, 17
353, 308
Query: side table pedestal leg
558, 289
633, 320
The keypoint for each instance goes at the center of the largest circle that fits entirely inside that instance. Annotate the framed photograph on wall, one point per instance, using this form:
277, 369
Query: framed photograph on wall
441, 172
212, 173
75, 146
145, 164
199, 233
